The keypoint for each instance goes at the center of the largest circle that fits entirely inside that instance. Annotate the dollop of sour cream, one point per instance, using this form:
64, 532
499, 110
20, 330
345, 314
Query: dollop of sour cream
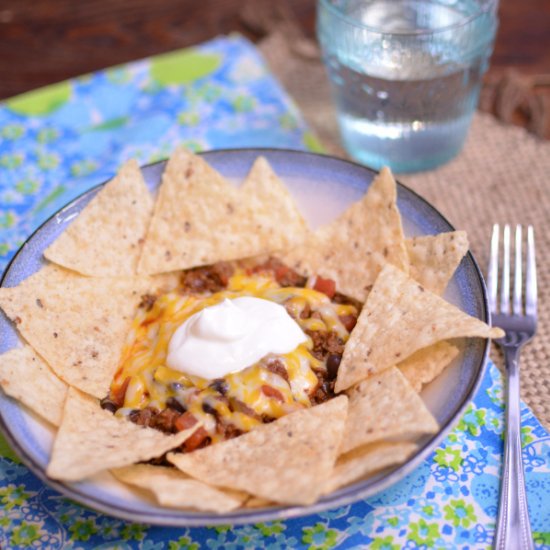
232, 335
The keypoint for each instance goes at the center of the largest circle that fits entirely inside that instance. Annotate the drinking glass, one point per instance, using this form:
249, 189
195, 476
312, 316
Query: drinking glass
405, 75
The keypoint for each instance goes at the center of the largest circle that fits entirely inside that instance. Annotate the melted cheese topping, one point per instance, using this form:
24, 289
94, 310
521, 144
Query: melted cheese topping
252, 395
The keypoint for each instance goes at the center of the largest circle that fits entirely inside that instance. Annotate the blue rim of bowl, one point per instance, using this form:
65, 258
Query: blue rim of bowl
351, 494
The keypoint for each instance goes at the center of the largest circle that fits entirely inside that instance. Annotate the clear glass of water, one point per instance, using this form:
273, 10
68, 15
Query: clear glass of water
405, 75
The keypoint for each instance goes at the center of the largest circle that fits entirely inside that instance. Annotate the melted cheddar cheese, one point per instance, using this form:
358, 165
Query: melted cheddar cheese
251, 396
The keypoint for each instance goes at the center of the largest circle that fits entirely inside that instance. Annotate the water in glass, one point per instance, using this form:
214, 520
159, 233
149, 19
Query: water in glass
406, 76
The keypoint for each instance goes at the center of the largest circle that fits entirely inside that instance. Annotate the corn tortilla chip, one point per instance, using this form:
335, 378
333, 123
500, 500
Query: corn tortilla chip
175, 489
274, 207
398, 305
434, 258
285, 461
107, 237
200, 218
194, 202
25, 376
77, 324
51, 272
384, 406
90, 440
426, 364
256, 502
367, 460
353, 248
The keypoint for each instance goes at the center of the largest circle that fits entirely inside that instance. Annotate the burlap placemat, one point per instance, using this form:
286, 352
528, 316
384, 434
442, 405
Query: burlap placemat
501, 176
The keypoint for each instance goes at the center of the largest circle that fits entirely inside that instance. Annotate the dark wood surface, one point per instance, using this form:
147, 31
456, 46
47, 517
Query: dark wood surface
45, 41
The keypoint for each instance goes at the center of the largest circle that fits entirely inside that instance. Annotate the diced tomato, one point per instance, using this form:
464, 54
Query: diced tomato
272, 392
349, 321
185, 421
118, 395
195, 440
326, 286
280, 272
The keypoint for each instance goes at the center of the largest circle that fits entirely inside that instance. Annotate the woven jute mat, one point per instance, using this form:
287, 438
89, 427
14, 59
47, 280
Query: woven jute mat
501, 176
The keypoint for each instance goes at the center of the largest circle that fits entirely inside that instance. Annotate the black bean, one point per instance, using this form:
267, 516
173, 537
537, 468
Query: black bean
208, 409
323, 392
220, 385
333, 363
108, 405
174, 404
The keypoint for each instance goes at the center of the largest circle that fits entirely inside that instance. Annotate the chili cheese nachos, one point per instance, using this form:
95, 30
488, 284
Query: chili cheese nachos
207, 346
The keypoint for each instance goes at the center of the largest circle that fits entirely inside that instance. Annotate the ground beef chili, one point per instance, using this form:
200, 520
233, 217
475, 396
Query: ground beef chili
228, 430
325, 343
283, 274
210, 278
276, 367
328, 348
147, 301
142, 417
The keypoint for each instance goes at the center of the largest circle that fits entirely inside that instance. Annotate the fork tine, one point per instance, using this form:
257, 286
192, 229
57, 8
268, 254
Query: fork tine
531, 275
505, 285
518, 282
492, 275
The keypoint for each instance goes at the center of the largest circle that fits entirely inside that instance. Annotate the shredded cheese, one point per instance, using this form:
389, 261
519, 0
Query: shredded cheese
152, 382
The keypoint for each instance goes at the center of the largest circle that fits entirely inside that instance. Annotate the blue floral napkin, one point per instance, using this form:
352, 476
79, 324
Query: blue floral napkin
59, 141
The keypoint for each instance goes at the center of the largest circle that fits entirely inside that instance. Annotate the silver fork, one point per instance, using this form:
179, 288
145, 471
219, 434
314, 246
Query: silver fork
519, 324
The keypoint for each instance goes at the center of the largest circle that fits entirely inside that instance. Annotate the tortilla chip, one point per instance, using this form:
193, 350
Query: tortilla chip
107, 236
90, 440
434, 258
285, 461
353, 248
426, 364
367, 460
51, 272
384, 406
200, 218
175, 489
25, 376
398, 305
77, 324
256, 502
165, 283
274, 207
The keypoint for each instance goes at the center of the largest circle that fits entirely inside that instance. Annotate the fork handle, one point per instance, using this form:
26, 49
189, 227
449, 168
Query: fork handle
513, 527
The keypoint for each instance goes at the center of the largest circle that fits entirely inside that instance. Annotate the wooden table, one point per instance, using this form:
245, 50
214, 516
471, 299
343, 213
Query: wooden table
46, 41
